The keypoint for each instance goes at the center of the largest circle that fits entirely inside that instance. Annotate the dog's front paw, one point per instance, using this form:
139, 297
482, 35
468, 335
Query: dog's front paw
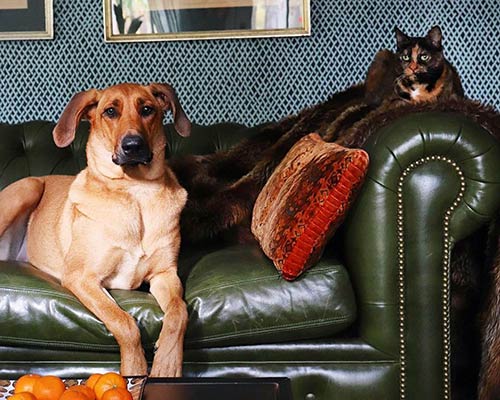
169, 367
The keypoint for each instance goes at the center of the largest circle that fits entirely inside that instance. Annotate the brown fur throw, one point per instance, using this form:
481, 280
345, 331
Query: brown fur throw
223, 188
489, 384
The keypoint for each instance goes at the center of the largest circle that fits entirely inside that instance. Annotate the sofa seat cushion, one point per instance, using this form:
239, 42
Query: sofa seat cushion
36, 311
235, 297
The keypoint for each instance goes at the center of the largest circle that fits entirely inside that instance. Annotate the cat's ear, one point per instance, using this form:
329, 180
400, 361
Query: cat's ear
401, 38
434, 36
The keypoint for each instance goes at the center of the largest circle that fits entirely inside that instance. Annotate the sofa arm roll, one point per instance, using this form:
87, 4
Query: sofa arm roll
433, 180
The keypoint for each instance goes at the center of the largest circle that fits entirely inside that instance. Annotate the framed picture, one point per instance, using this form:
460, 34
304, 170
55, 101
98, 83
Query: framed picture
154, 20
26, 19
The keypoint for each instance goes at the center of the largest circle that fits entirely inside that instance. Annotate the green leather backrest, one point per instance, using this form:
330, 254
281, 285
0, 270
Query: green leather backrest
28, 149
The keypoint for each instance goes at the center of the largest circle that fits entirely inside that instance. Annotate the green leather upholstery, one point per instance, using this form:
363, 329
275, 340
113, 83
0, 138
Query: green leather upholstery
398, 238
370, 321
225, 306
54, 319
235, 297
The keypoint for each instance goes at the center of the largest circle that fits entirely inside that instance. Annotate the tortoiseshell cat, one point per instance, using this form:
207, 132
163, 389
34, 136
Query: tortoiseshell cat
417, 72
426, 74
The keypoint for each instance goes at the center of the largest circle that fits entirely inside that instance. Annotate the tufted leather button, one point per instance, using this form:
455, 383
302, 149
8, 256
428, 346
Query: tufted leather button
310, 396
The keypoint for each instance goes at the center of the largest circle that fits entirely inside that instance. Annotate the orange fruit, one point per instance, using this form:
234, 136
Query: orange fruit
92, 379
87, 391
109, 380
22, 396
25, 383
117, 394
48, 388
73, 395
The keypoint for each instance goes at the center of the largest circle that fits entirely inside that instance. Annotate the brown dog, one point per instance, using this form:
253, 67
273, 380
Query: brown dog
116, 224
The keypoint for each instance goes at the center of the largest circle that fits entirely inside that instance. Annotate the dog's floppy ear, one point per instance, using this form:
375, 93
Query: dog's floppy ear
168, 100
77, 108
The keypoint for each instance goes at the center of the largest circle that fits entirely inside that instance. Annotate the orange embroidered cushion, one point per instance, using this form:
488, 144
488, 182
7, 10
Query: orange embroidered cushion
304, 202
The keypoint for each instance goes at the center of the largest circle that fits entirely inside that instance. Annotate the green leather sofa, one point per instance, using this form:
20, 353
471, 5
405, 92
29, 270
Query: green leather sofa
370, 321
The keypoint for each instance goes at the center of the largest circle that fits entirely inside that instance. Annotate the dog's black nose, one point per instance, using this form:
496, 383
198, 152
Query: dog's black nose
133, 150
133, 145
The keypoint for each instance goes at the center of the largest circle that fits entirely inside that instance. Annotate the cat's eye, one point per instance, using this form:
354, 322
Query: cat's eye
425, 57
405, 57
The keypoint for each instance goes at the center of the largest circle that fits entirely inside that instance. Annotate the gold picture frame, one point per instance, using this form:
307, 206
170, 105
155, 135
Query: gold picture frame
26, 19
158, 20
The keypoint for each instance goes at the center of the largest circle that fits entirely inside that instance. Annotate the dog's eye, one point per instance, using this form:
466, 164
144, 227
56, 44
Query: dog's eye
110, 112
147, 110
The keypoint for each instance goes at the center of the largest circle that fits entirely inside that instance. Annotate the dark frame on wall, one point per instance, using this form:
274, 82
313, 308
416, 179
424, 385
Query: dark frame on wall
26, 19
155, 20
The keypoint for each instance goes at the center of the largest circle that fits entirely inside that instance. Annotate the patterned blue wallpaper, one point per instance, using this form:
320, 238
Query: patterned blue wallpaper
244, 80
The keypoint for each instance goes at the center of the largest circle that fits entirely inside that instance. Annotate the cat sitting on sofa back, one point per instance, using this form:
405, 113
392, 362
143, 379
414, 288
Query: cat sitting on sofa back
417, 72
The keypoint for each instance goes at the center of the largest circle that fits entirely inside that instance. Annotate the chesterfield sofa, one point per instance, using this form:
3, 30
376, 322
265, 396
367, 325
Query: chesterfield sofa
370, 321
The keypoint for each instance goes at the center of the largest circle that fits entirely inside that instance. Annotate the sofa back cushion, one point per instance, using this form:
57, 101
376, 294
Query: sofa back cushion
28, 149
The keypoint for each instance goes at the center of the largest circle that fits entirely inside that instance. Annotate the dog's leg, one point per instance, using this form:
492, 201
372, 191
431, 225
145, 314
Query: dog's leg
18, 199
166, 287
87, 288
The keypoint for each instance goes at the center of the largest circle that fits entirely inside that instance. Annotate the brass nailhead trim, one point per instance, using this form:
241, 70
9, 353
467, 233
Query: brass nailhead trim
446, 275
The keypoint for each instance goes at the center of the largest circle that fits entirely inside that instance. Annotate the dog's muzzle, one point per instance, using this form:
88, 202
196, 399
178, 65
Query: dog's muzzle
133, 151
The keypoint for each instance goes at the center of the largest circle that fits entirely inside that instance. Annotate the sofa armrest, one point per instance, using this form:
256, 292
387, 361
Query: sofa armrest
434, 179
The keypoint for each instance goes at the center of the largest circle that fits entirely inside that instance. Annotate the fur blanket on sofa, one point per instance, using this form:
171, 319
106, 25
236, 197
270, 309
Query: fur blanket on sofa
223, 188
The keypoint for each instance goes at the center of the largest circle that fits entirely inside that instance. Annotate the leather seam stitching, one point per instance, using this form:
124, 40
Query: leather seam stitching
316, 271
281, 328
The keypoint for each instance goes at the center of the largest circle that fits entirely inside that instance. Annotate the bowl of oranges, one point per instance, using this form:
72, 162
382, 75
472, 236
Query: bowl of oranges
107, 386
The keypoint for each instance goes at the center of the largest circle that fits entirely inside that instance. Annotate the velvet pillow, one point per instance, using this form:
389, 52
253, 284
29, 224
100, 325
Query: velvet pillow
304, 202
